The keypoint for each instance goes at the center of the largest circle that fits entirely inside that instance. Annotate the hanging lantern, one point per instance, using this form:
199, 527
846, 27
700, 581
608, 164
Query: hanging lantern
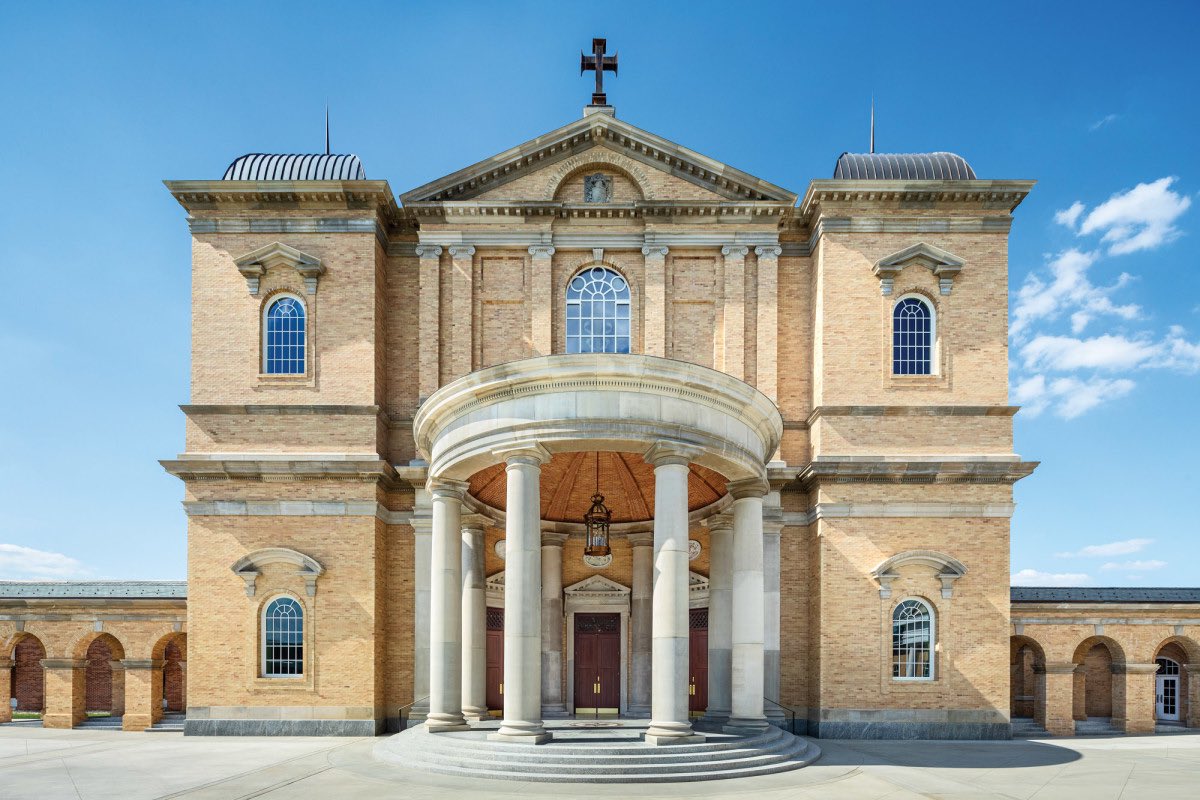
596, 520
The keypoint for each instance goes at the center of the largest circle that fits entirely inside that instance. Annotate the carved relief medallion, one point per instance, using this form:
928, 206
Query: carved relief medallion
597, 188
693, 549
500, 549
598, 562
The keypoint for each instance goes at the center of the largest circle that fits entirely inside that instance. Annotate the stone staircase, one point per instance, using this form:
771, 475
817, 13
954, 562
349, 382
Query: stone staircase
108, 723
1096, 726
620, 757
171, 722
1027, 728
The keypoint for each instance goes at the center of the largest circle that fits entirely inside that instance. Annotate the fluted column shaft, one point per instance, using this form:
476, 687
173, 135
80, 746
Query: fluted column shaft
641, 623
669, 721
474, 620
445, 609
552, 625
749, 632
522, 600
720, 617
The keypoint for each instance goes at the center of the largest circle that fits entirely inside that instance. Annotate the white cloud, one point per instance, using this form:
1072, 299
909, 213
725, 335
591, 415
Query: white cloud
1032, 577
1141, 218
1070, 216
1123, 547
1069, 396
1068, 288
1105, 120
1106, 352
25, 563
1138, 565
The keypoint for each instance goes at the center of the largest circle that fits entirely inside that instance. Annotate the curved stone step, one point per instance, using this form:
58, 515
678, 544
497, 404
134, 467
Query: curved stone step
471, 755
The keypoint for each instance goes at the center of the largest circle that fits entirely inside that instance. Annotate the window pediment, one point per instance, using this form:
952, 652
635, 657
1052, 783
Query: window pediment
948, 569
254, 265
249, 567
944, 265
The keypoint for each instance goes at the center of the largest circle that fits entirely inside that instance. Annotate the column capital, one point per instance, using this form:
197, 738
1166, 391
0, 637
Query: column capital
541, 250
1135, 669
769, 251
462, 250
664, 452
1060, 667
430, 251
735, 250
751, 487
64, 663
552, 539
532, 453
6, 663
445, 487
143, 663
475, 522
720, 522
643, 539
655, 251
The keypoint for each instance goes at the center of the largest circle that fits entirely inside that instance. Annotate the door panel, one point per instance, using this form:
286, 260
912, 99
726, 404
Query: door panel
597, 662
698, 660
495, 659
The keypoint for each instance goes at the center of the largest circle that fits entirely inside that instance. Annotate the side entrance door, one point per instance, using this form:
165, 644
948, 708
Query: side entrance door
495, 659
597, 664
1166, 690
698, 661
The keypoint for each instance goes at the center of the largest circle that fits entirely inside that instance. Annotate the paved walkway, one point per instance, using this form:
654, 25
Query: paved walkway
92, 764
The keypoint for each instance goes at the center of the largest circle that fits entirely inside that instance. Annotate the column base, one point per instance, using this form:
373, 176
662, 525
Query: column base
638, 712
555, 711
746, 727
475, 714
659, 740
716, 716
521, 738
441, 723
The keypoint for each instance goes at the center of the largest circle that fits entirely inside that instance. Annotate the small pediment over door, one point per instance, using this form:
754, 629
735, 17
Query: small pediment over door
597, 589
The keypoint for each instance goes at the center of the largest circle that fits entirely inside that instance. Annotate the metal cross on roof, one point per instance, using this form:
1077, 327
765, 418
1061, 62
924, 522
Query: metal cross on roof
598, 62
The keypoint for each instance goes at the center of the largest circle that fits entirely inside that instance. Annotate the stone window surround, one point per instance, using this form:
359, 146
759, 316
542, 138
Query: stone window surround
284, 377
254, 265
939, 375
934, 644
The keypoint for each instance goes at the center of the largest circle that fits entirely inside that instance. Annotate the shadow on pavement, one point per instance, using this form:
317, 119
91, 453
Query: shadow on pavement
938, 754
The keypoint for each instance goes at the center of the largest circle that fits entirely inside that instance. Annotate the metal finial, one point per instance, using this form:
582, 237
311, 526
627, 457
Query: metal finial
872, 123
327, 129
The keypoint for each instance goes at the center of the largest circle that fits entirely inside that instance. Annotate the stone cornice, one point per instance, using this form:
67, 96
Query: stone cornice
518, 211
290, 467
898, 511
280, 410
909, 411
1000, 195
899, 470
286, 195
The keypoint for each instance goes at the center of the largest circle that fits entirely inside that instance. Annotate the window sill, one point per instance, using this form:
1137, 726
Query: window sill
265, 379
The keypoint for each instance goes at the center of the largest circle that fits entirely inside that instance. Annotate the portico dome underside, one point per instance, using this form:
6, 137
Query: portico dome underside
610, 403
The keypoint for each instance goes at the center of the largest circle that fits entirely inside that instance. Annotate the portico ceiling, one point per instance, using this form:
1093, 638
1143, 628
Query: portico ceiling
626, 481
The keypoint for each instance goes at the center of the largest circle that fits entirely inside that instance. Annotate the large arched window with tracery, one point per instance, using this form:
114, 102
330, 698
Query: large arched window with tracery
284, 337
283, 638
912, 641
912, 337
598, 312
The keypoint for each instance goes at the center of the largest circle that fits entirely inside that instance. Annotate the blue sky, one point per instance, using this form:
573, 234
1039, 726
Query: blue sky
1096, 101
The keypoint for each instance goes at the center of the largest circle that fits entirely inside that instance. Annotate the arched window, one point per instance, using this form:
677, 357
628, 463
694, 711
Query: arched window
912, 337
284, 337
598, 312
912, 641
283, 639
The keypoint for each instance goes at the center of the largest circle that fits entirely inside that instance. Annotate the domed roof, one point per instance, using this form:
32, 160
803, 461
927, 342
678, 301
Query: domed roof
903, 167
295, 167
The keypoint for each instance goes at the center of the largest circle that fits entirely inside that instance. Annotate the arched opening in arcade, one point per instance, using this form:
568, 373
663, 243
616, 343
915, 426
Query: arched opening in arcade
27, 690
1174, 705
1027, 680
1098, 695
104, 677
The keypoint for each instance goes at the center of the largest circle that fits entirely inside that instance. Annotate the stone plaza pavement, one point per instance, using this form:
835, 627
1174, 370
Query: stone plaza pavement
92, 764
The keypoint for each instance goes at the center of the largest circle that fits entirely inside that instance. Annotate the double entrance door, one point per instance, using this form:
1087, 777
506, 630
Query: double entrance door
597, 664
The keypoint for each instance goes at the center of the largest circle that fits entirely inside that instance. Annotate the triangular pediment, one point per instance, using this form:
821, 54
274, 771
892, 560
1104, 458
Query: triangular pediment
596, 585
598, 138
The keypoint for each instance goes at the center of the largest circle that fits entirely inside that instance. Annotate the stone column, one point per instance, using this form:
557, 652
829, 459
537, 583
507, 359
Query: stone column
1079, 693
428, 320
522, 599
183, 684
749, 632
1060, 704
65, 692
143, 693
474, 619
6, 667
669, 721
641, 612
772, 530
462, 309
1136, 683
720, 618
553, 704
541, 325
734, 333
422, 525
445, 609
118, 688
654, 309
767, 317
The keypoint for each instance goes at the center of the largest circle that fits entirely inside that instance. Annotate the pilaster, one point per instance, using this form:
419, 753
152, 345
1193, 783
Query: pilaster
1134, 684
654, 308
143, 693
65, 689
428, 320
6, 666
734, 327
641, 623
1060, 690
462, 309
541, 320
767, 322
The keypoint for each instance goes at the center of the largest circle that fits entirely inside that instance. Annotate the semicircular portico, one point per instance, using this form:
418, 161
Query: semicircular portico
597, 402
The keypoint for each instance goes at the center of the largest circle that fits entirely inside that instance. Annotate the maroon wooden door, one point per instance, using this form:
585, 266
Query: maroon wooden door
698, 660
597, 661
495, 659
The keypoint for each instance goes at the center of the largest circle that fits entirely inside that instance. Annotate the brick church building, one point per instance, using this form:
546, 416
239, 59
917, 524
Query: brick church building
600, 426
